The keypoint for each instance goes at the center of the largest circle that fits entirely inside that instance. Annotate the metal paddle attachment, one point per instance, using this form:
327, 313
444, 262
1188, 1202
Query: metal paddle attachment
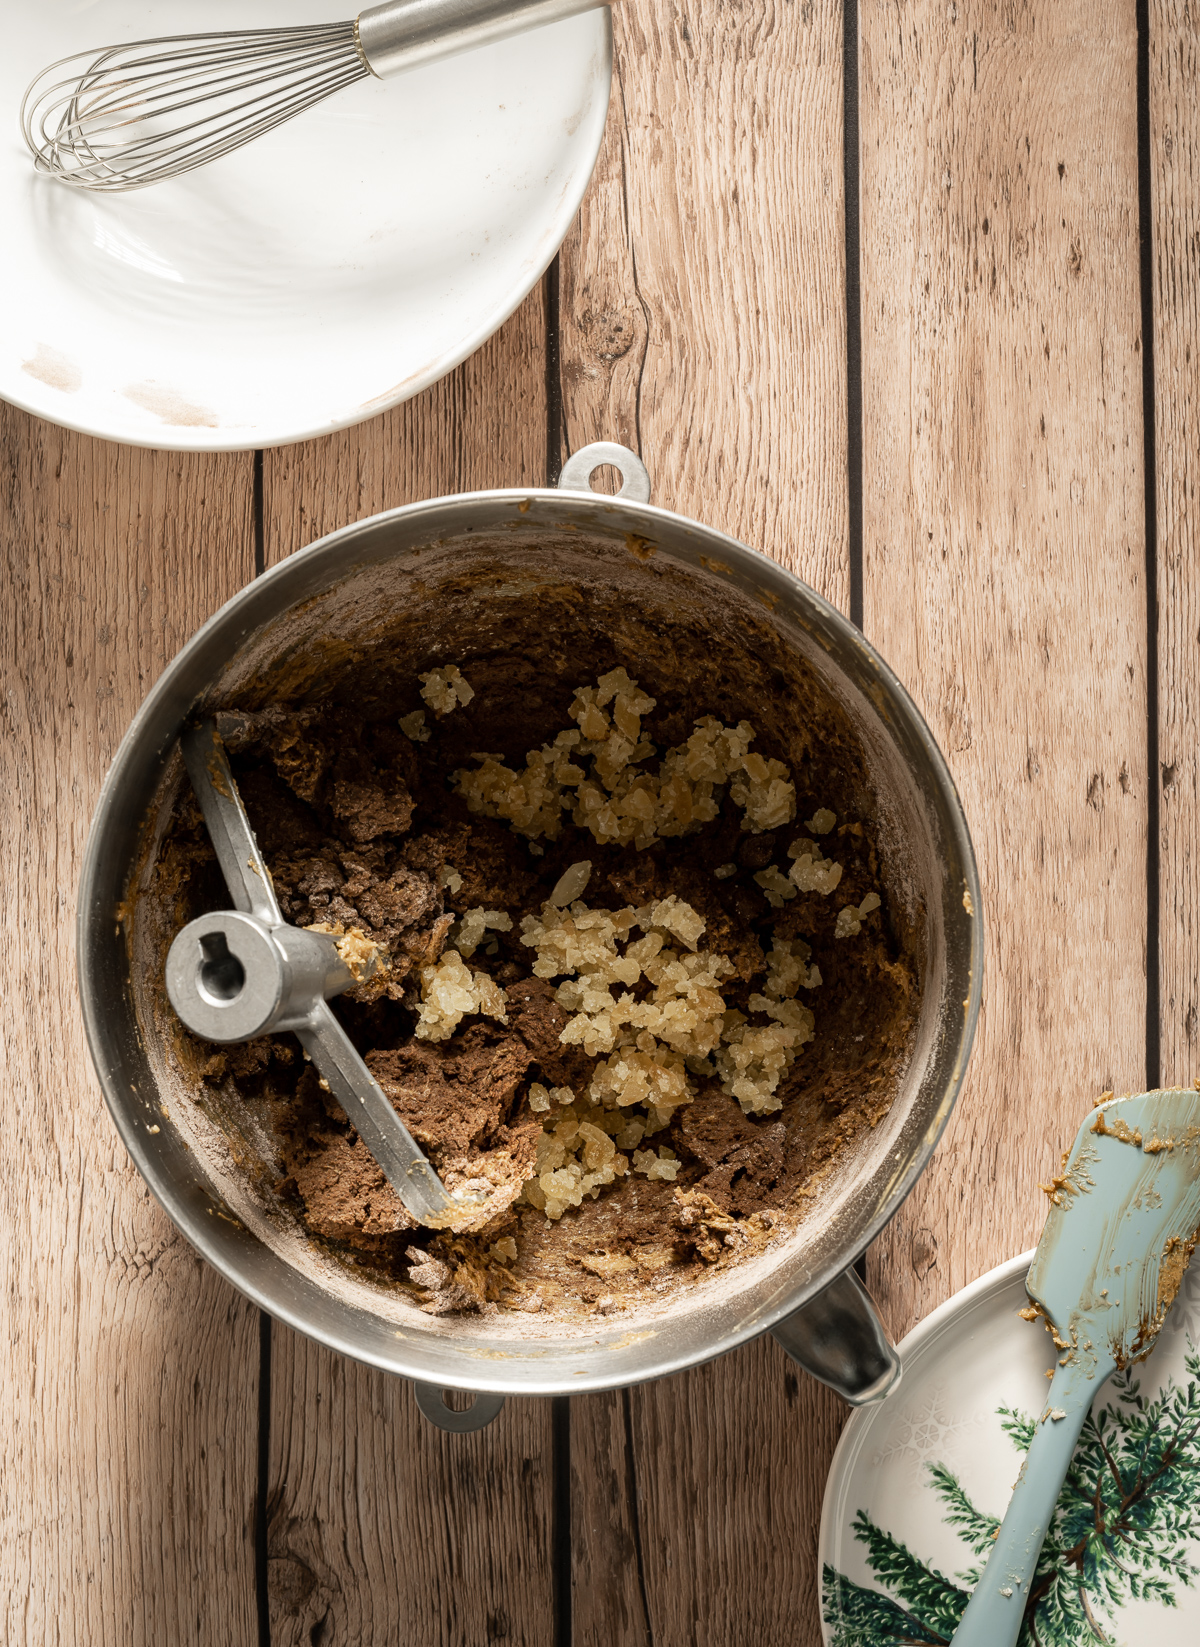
244, 972
1124, 1220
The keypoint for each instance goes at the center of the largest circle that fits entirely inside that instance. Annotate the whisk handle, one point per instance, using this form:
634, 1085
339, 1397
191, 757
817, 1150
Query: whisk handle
403, 33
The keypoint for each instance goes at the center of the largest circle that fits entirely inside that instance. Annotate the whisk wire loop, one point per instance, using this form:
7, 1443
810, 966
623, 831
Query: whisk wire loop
123, 117
135, 115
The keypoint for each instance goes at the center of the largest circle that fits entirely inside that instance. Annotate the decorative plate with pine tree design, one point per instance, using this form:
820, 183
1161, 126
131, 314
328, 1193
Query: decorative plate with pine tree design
919, 1484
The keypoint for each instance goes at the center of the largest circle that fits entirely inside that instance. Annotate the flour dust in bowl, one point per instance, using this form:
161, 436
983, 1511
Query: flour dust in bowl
675, 925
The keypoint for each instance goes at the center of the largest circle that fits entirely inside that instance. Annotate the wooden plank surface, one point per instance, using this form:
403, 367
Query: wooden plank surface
703, 323
484, 425
382, 1529
696, 1503
1175, 247
1004, 559
131, 1370
703, 285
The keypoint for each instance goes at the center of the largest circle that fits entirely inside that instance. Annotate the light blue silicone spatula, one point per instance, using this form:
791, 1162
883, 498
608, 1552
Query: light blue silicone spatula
1122, 1225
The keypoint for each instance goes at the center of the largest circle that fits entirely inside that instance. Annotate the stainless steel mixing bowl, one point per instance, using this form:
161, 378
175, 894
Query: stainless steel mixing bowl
457, 561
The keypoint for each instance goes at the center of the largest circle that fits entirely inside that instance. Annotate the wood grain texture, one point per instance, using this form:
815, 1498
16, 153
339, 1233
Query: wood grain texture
381, 1528
483, 426
130, 1370
1004, 564
696, 1505
1175, 194
610, 1603
703, 286
703, 324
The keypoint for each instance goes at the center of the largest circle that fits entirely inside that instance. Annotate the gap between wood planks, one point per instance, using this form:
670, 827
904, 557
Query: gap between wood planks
1150, 483
851, 196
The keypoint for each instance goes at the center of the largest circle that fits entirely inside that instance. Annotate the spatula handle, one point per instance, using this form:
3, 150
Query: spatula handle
996, 1610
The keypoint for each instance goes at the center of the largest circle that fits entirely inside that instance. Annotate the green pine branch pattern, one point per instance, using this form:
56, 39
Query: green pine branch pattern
1128, 1510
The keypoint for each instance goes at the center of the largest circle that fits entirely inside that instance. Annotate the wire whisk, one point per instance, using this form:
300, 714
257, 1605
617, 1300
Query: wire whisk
123, 117
138, 114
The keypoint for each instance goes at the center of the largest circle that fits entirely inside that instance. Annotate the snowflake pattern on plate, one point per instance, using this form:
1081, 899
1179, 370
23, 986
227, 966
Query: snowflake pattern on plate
929, 1430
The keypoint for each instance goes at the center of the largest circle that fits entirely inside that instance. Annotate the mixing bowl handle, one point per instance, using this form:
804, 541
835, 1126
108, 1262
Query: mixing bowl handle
578, 469
431, 1399
838, 1338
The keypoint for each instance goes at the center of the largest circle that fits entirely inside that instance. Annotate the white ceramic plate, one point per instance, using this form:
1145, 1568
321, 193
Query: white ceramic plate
894, 1530
333, 268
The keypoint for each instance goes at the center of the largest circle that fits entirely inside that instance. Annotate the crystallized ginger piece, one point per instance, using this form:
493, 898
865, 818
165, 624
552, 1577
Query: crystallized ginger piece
765, 793
444, 689
631, 1076
788, 969
562, 1188
850, 919
631, 1134
475, 923
449, 991
810, 872
571, 884
597, 1149
664, 1165
617, 684
541, 1099
776, 886
414, 728
673, 915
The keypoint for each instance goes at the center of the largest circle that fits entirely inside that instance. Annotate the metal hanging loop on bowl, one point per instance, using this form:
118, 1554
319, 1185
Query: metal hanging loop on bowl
580, 466
235, 974
431, 1399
